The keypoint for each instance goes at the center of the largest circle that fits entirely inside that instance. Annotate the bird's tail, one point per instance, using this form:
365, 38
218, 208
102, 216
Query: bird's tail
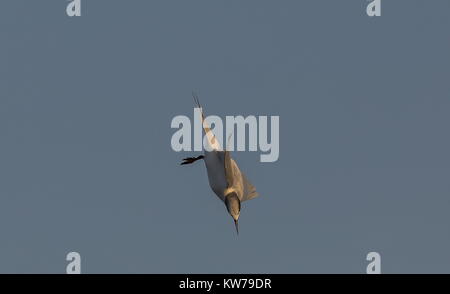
212, 140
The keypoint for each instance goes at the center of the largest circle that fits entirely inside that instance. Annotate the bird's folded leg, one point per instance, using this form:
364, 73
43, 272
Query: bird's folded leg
189, 160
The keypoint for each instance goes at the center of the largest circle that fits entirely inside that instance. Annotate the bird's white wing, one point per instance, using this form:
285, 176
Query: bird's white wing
249, 190
212, 140
237, 181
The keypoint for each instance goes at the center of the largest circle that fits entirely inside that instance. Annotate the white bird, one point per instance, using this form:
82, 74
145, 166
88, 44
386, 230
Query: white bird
224, 176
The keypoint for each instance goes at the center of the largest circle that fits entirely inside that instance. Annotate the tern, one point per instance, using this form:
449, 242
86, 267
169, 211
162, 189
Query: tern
224, 176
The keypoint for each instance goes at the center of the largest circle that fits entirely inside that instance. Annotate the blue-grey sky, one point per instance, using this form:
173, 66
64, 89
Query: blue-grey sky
86, 163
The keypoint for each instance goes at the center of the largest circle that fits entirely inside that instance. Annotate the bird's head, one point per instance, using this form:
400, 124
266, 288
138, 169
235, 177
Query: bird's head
234, 207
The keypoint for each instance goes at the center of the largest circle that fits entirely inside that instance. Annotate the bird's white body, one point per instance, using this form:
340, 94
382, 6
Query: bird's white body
216, 173
224, 176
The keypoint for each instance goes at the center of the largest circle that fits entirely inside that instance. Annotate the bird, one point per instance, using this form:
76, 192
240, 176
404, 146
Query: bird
224, 176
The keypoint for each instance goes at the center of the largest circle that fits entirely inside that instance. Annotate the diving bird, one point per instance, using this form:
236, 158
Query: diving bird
224, 176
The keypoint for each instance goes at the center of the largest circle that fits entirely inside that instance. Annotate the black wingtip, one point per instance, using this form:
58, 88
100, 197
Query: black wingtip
196, 100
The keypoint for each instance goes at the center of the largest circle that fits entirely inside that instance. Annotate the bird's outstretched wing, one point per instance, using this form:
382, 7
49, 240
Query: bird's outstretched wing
237, 181
212, 140
249, 190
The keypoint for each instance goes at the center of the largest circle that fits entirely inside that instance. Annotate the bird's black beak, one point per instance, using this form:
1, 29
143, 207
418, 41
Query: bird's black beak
237, 226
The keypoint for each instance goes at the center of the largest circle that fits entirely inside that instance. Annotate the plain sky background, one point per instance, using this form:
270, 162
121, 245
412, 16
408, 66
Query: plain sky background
86, 163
